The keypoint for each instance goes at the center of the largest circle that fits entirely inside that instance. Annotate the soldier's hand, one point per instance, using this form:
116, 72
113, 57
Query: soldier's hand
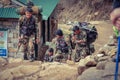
37, 41
73, 39
80, 41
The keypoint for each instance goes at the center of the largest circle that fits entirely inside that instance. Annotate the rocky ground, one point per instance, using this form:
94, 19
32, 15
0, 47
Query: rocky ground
95, 67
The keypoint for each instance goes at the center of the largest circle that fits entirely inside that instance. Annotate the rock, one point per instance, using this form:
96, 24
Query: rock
107, 50
81, 69
91, 74
81, 66
58, 71
101, 65
110, 70
81, 62
15, 60
70, 62
113, 52
17, 72
103, 58
3, 61
100, 55
90, 61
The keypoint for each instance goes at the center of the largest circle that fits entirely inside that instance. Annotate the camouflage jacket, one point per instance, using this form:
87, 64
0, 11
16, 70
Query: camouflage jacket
27, 26
81, 36
58, 43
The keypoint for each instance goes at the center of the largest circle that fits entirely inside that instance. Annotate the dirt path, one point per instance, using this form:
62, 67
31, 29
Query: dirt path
104, 32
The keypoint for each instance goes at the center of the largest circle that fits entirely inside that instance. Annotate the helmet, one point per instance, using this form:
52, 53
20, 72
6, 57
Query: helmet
75, 28
50, 50
59, 32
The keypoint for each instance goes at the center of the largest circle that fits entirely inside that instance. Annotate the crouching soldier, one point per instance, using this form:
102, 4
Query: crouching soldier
49, 55
79, 38
27, 32
61, 49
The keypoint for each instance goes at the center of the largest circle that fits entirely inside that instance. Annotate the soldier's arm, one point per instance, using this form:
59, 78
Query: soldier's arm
84, 36
20, 21
36, 29
73, 38
83, 40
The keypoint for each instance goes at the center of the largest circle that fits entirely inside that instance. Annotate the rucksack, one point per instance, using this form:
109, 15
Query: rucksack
90, 30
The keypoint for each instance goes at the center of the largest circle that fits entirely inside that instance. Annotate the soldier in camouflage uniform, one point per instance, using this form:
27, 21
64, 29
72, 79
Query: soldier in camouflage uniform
62, 48
27, 32
79, 38
49, 55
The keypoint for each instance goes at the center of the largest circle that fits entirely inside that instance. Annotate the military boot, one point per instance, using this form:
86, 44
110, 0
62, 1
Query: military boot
32, 58
25, 56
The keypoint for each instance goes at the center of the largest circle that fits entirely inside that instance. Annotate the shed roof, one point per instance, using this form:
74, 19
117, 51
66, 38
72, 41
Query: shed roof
47, 6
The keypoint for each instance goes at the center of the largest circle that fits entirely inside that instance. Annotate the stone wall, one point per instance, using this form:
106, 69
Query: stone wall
12, 35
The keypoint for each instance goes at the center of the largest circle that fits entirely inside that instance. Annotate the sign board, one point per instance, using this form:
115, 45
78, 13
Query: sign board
3, 43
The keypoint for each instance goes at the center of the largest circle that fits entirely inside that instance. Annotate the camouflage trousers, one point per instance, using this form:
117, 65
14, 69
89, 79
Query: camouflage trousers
27, 44
79, 53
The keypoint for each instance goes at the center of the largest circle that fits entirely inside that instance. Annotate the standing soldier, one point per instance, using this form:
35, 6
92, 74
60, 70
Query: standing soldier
79, 38
27, 32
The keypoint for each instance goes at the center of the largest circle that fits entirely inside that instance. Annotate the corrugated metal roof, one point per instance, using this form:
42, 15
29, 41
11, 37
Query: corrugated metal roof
8, 13
47, 7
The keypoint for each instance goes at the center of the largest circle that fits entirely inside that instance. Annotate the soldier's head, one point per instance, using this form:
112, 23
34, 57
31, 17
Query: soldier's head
59, 33
28, 12
50, 51
76, 29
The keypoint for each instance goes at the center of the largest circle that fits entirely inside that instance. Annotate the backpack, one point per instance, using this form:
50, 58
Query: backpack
90, 30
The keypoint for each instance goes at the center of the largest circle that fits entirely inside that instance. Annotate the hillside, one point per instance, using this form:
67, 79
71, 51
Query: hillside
84, 10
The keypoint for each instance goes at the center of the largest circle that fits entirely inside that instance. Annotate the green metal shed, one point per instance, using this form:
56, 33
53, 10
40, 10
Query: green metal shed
48, 7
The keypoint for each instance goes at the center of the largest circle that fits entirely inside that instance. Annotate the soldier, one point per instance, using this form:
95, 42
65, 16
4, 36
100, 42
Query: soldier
61, 49
27, 33
79, 38
49, 55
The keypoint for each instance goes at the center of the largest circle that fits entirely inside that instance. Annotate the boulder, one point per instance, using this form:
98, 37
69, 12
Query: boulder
70, 62
91, 74
112, 52
104, 58
15, 60
90, 61
109, 71
58, 71
101, 65
81, 69
81, 62
17, 72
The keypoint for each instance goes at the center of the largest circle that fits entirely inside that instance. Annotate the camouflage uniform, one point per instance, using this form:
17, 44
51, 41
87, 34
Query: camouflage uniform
27, 35
48, 58
60, 53
80, 48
